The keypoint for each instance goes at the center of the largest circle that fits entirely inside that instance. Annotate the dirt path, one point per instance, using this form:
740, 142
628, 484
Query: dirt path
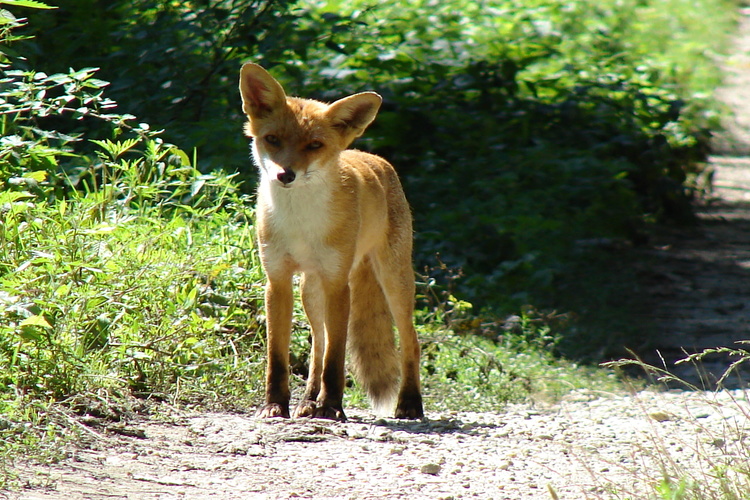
698, 280
589, 446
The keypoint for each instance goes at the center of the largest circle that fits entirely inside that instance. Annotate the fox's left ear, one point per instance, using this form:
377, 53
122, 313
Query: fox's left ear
354, 113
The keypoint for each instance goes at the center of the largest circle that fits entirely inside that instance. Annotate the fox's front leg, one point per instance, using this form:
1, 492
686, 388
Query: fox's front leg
314, 302
279, 304
325, 388
331, 396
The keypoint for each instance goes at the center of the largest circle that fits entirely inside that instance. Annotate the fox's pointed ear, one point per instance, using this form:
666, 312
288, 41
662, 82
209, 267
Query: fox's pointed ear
354, 113
261, 93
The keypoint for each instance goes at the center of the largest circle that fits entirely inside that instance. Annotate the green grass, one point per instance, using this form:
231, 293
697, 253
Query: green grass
470, 372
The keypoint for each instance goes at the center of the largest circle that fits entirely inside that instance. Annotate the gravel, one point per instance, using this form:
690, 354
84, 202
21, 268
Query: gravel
587, 446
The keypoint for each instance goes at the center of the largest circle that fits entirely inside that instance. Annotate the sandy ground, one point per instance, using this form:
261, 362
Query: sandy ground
589, 446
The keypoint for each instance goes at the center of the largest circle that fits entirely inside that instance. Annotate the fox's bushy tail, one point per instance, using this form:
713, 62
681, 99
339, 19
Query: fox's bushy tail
373, 356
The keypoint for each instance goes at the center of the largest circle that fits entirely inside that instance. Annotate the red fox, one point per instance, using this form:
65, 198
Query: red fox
340, 218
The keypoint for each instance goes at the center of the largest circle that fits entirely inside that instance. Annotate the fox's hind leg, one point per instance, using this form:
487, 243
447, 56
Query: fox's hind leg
396, 277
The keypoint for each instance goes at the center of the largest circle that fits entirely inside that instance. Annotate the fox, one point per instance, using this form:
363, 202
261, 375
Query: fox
339, 219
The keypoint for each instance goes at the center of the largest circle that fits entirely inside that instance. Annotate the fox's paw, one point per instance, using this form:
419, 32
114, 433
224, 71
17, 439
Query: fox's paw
410, 407
330, 413
305, 408
314, 409
271, 410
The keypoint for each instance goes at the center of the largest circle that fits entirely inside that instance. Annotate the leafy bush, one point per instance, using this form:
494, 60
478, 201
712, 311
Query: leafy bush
122, 267
524, 130
528, 130
173, 64
121, 302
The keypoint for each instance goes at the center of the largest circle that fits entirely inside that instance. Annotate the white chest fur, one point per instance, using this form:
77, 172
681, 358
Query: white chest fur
299, 216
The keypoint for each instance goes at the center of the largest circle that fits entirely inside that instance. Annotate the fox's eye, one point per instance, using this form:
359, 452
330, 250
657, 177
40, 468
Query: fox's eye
272, 140
314, 145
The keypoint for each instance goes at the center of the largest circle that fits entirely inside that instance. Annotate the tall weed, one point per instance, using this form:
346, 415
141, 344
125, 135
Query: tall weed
713, 465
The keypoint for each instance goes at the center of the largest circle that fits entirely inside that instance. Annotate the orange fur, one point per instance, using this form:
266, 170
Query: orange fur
340, 218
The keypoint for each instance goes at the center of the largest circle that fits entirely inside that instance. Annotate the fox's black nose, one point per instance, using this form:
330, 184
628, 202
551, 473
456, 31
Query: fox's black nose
287, 176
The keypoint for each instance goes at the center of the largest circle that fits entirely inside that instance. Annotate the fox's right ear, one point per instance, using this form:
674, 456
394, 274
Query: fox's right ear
261, 93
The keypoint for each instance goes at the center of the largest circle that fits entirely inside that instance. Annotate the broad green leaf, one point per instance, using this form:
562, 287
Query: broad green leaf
32, 4
36, 320
6, 17
38, 175
62, 290
196, 187
13, 196
182, 155
30, 333
95, 302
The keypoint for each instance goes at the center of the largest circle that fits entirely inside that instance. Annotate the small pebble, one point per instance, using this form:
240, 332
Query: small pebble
660, 416
432, 469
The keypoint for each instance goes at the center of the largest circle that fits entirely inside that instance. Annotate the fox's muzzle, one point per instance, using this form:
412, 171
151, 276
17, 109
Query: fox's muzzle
286, 176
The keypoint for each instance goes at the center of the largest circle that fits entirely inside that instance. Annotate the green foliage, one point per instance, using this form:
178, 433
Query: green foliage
124, 270
35, 145
524, 132
173, 64
503, 365
93, 299
149, 290
522, 129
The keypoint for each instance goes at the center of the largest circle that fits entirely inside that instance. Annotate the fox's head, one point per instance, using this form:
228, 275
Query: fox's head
296, 139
